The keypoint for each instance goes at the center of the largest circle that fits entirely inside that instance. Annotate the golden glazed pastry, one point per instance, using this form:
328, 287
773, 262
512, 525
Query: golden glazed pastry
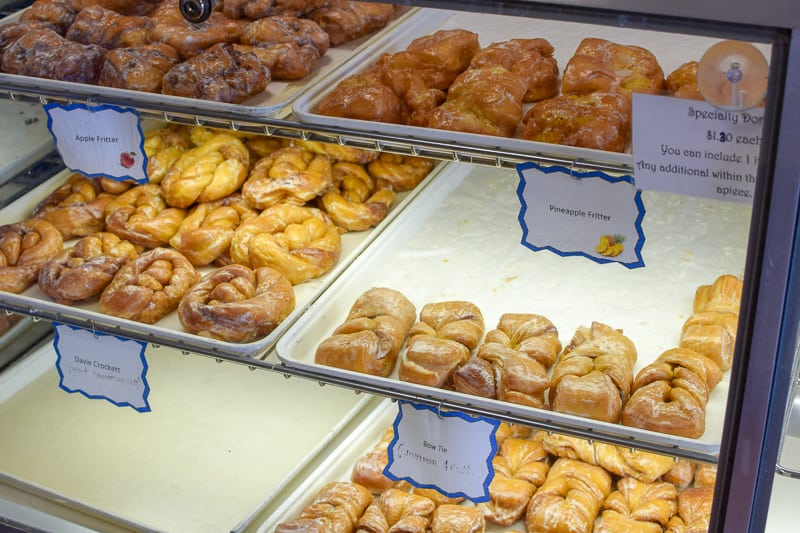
97, 25
681, 474
724, 295
24, 249
149, 287
395, 510
356, 201
602, 65
638, 506
368, 468
531, 334
86, 268
403, 172
338, 152
592, 376
449, 518
163, 147
208, 172
138, 68
237, 304
59, 14
705, 475
713, 334
141, 216
43, 53
192, 38
440, 342
682, 82
288, 175
76, 208
288, 47
694, 511
370, 338
530, 60
336, 507
569, 499
300, 242
345, 20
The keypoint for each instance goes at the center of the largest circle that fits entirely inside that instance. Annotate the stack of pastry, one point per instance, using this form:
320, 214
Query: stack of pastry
440, 342
336, 507
512, 363
593, 374
638, 506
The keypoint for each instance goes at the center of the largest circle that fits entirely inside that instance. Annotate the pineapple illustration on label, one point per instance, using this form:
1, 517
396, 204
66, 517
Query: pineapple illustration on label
610, 245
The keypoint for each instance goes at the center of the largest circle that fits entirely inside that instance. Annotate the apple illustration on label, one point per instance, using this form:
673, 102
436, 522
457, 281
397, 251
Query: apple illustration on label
126, 159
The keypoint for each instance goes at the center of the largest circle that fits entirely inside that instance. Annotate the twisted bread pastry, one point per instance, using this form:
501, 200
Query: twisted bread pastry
507, 431
569, 499
368, 468
593, 374
520, 468
288, 175
300, 242
24, 249
624, 462
396, 510
713, 334
401, 171
236, 304
338, 152
724, 295
531, 334
530, 60
440, 342
694, 511
84, 270
448, 518
336, 507
208, 172
149, 287
356, 202
163, 147
370, 338
141, 216
670, 394
76, 208
681, 474
638, 506
205, 235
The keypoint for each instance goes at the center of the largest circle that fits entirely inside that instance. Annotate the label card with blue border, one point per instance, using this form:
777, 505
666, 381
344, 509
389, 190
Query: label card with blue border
102, 366
448, 451
690, 147
589, 214
99, 141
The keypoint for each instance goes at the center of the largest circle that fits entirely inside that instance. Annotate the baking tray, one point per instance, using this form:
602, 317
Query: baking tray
670, 49
220, 442
168, 331
462, 242
274, 102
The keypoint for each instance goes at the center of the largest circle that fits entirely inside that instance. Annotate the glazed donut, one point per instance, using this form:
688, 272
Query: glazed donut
300, 242
357, 202
291, 174
84, 270
163, 147
237, 304
404, 172
24, 248
204, 236
208, 172
149, 287
141, 215
76, 208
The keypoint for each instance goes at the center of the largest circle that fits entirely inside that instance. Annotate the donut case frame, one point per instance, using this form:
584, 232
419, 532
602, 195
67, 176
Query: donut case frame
222, 448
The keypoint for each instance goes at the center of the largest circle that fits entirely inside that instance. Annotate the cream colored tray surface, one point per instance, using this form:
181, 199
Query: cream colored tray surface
671, 50
24, 137
168, 331
271, 103
220, 442
462, 242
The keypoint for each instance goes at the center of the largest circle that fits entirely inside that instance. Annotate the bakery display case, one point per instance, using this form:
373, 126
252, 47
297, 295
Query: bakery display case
209, 451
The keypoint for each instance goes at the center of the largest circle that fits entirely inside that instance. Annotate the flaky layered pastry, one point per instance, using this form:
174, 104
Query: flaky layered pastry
25, 247
76, 208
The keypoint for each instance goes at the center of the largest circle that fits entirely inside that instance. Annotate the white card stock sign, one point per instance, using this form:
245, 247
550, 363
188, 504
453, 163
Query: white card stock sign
690, 147
102, 141
447, 451
589, 214
102, 366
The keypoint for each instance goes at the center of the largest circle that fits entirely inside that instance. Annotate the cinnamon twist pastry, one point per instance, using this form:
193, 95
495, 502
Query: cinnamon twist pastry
24, 249
724, 295
671, 393
356, 201
396, 510
205, 235
208, 172
694, 511
339, 152
440, 342
370, 338
141, 216
84, 270
300, 242
638, 506
149, 287
163, 147
593, 375
368, 468
403, 172
336, 507
76, 208
292, 175
448, 518
192, 38
237, 304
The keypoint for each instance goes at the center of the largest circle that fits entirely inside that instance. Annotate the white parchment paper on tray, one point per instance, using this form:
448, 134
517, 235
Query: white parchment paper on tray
671, 50
462, 242
168, 331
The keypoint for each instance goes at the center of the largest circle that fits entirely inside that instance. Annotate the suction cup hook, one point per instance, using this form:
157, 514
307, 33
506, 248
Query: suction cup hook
732, 75
197, 10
